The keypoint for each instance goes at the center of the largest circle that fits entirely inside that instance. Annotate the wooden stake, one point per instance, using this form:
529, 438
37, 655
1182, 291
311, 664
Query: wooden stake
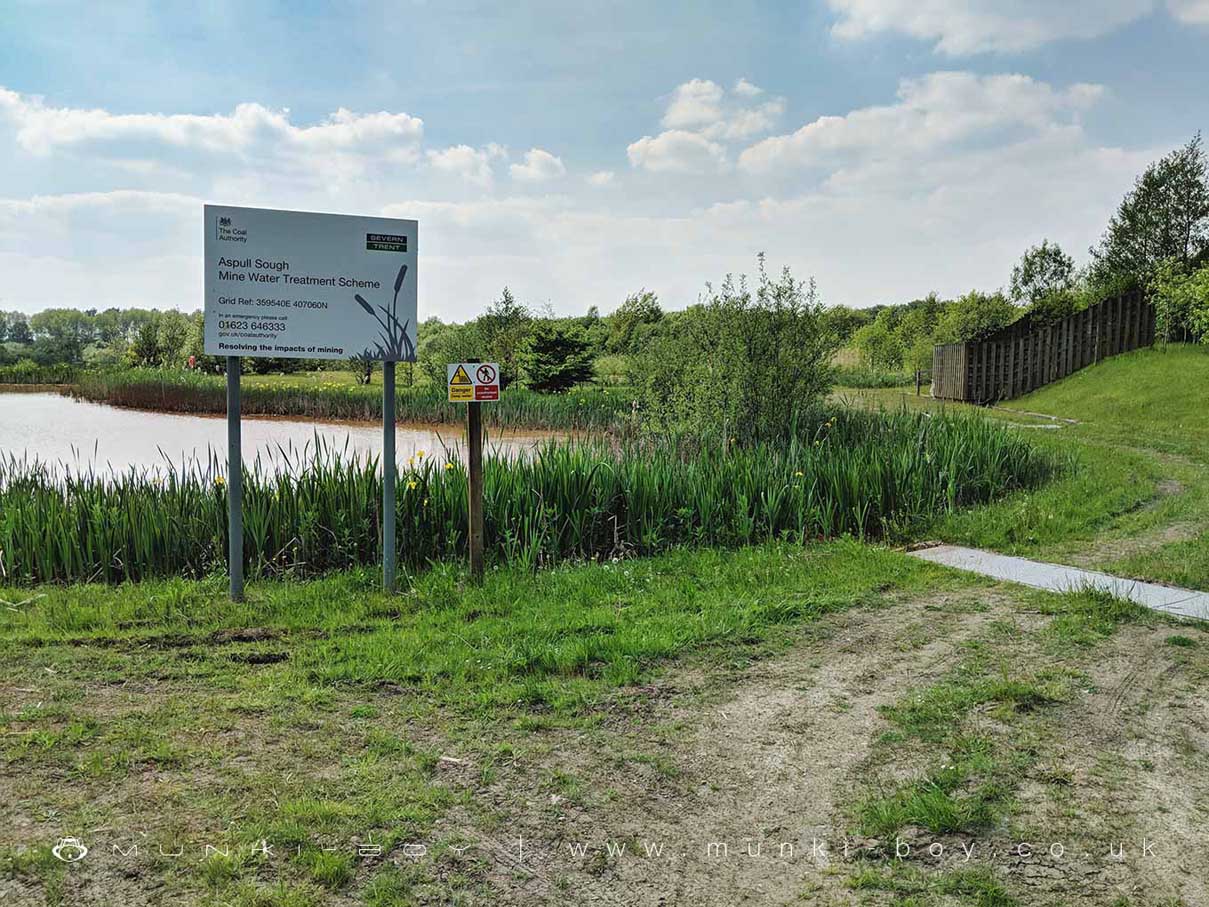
474, 438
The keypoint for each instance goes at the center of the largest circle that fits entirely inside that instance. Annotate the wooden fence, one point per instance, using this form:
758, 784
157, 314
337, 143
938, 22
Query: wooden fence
1022, 356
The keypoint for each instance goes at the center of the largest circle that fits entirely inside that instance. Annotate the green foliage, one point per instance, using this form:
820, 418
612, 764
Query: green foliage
1164, 217
855, 473
1181, 300
841, 322
975, 316
555, 357
901, 338
1042, 272
169, 390
879, 344
867, 377
26, 371
629, 324
742, 364
362, 368
502, 332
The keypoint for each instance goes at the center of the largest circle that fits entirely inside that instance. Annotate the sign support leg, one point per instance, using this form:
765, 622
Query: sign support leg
474, 438
234, 483
388, 477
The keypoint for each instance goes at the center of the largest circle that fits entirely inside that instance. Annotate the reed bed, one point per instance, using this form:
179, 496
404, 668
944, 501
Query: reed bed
192, 392
28, 372
310, 511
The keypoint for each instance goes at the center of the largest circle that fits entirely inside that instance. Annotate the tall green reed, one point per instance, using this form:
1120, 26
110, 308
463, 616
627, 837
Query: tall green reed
316, 509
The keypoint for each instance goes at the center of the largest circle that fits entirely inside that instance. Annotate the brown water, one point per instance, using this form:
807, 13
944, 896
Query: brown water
57, 429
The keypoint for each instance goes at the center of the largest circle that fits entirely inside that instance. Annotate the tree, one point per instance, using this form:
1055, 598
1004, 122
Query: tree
1043, 271
60, 335
1165, 216
503, 329
974, 317
18, 328
1181, 301
555, 357
879, 345
638, 309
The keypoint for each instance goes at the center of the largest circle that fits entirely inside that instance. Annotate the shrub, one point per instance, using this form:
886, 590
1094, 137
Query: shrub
742, 364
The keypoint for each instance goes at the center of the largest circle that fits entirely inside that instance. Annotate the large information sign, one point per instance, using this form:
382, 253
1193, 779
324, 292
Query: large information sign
310, 286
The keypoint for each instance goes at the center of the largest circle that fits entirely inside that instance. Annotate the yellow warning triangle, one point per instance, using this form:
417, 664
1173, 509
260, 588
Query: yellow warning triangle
460, 377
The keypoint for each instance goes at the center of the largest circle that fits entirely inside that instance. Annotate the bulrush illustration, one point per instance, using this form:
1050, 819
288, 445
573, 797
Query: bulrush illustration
395, 345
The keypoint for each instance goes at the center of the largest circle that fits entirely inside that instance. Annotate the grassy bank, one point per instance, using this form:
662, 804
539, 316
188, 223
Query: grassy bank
857, 473
191, 392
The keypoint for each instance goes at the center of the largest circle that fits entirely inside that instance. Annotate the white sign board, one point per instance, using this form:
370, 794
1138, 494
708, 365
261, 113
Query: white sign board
473, 382
309, 286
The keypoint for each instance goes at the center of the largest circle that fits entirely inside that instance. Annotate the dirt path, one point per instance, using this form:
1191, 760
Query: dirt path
729, 810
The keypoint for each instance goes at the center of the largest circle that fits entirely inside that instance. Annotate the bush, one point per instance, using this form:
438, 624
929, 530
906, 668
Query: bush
555, 358
741, 364
1181, 301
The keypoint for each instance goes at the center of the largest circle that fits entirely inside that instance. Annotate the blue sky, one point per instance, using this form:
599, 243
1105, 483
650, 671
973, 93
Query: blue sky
579, 152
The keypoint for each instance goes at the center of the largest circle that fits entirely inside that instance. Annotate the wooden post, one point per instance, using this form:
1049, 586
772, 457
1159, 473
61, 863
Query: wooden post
389, 479
234, 483
474, 440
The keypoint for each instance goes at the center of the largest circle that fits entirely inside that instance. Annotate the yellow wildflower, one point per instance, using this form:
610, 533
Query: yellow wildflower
219, 481
411, 484
448, 466
799, 474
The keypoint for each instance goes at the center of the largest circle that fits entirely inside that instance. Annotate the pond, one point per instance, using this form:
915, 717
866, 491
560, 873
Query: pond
54, 428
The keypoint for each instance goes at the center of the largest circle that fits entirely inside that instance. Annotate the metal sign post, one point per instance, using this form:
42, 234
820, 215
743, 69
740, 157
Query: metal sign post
388, 477
234, 482
473, 383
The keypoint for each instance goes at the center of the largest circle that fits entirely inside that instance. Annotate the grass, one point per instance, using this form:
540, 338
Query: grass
1136, 500
291, 748
866, 475
328, 396
1148, 398
985, 718
865, 377
912, 887
559, 637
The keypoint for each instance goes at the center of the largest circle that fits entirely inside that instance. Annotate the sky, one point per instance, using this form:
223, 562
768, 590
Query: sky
580, 152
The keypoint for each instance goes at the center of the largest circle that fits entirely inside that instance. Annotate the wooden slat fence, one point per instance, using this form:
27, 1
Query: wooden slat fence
1023, 357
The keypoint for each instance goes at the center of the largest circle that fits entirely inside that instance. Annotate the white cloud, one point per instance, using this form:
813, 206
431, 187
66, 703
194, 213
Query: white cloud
936, 110
694, 104
746, 89
703, 106
960, 27
676, 151
41, 129
601, 178
1194, 12
539, 166
474, 165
